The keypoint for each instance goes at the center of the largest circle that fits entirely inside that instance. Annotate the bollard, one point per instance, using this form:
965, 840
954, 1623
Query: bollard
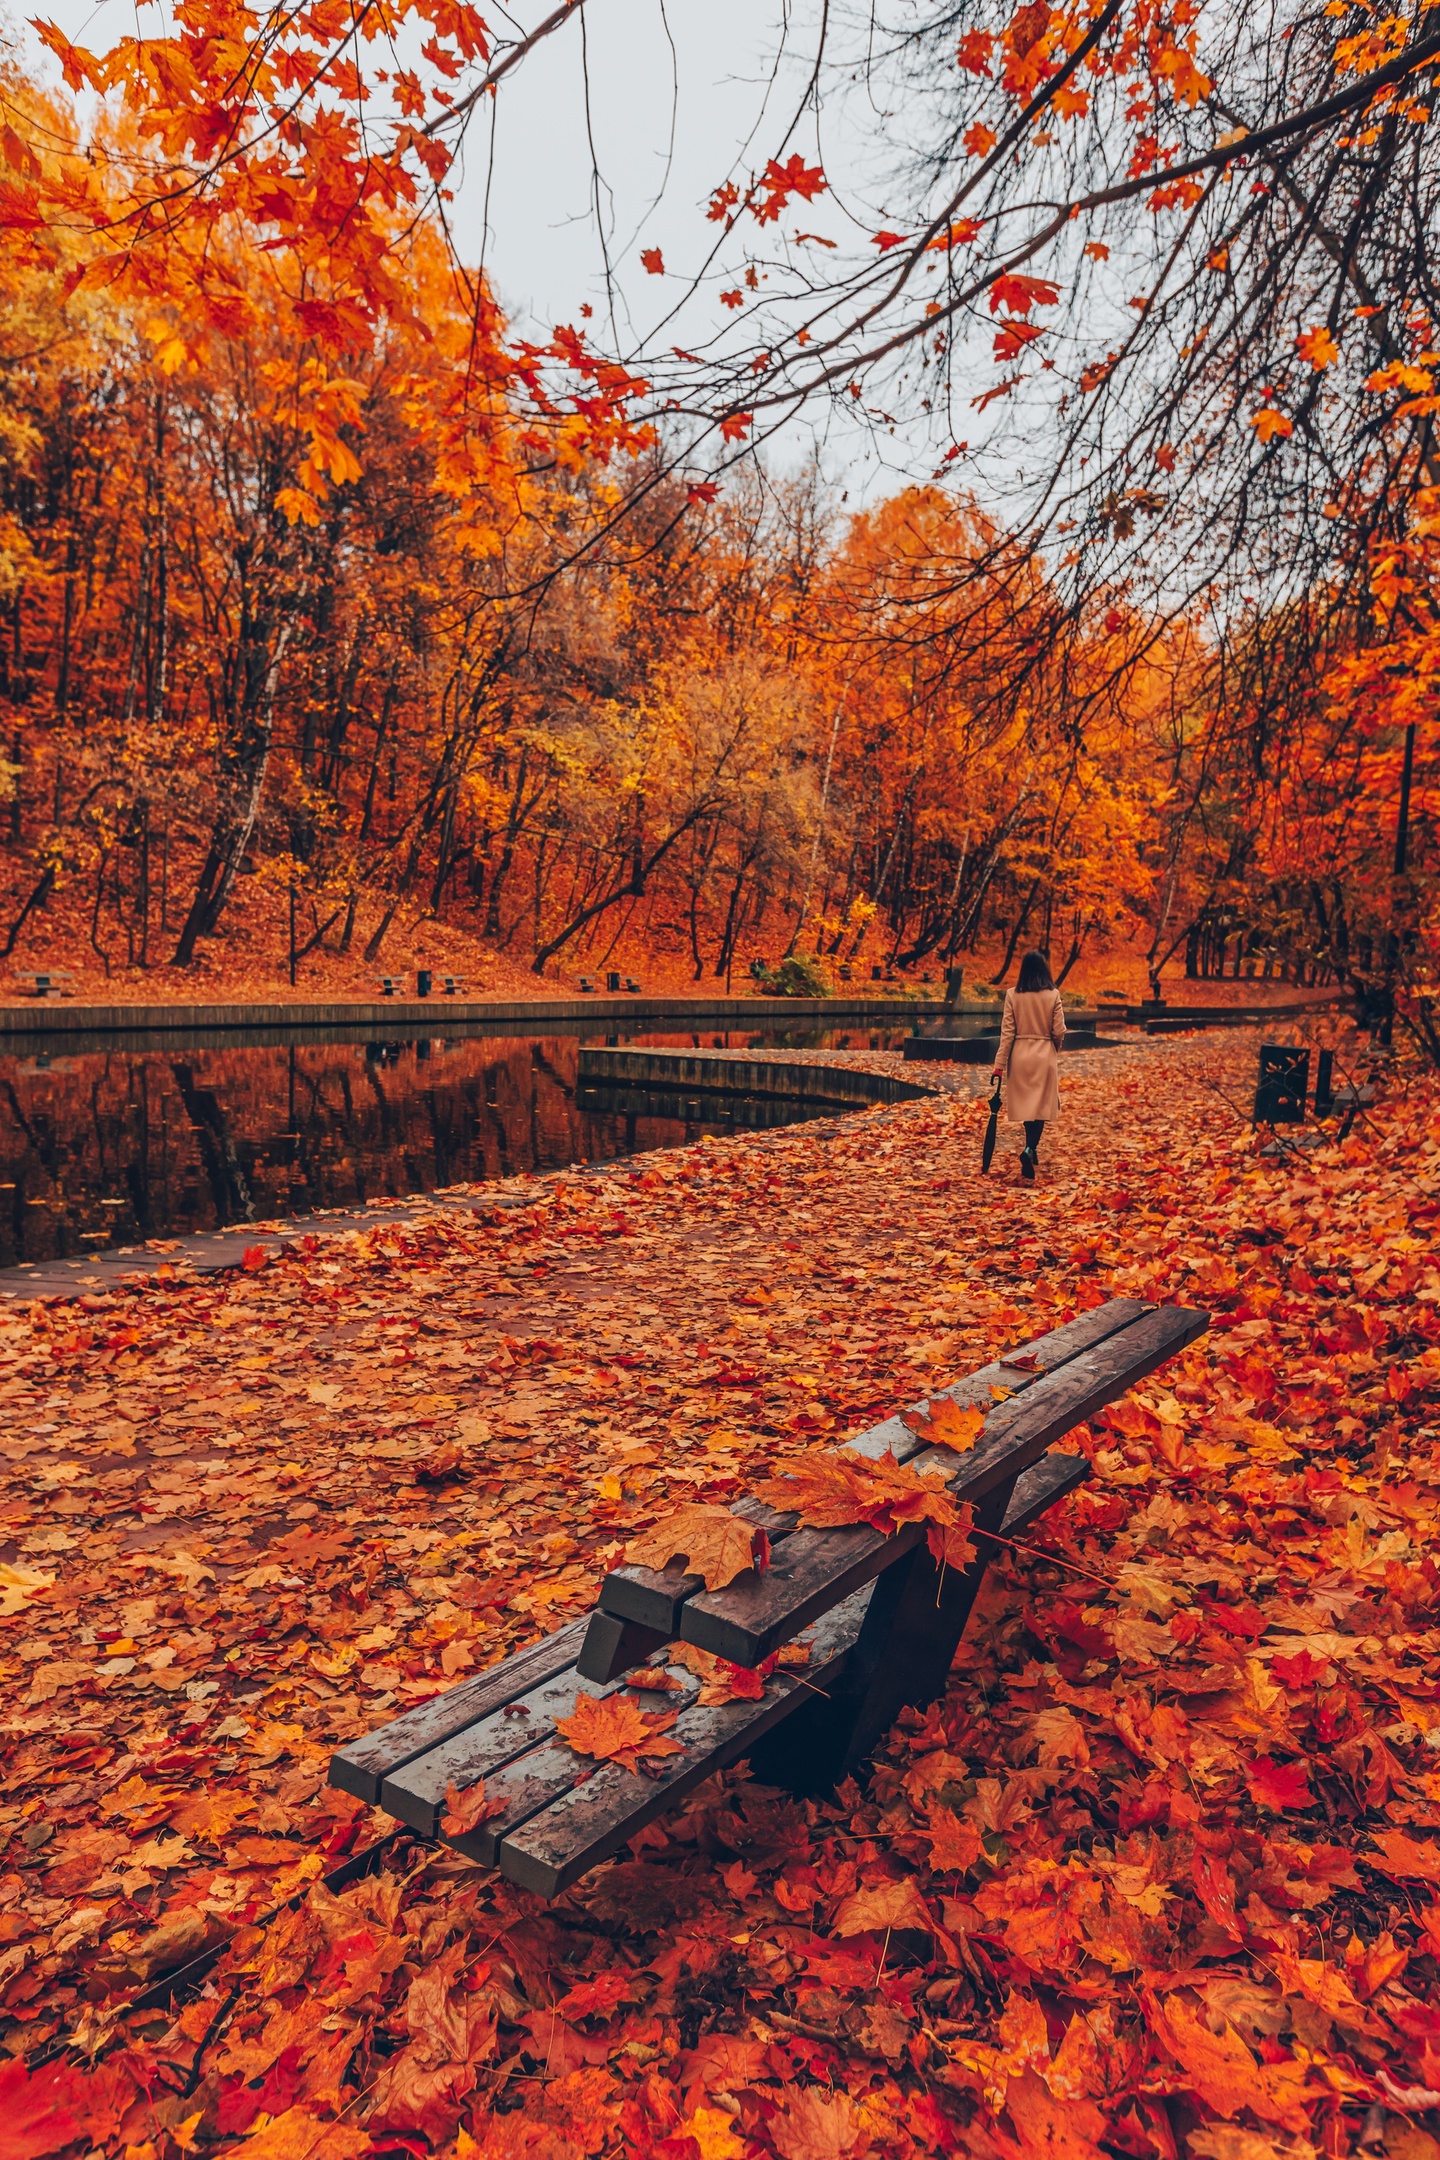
1283, 1084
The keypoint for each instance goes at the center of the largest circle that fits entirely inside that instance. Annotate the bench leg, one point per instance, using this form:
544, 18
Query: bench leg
614, 1646
902, 1658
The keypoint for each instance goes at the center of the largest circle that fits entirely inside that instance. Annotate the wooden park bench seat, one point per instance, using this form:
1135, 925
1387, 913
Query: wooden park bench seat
881, 1619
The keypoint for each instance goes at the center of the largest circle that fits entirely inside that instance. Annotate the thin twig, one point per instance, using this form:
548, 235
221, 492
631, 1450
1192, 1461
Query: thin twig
1039, 1554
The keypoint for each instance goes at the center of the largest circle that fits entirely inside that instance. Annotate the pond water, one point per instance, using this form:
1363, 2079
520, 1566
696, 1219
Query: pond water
108, 1142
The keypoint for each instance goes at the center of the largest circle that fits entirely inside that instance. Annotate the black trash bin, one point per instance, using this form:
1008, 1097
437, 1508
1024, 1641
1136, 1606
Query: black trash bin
423, 980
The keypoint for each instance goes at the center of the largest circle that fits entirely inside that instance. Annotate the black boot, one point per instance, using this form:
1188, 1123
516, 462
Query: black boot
1027, 1162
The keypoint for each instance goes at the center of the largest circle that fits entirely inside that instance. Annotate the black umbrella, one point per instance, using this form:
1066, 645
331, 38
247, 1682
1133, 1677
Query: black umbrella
987, 1153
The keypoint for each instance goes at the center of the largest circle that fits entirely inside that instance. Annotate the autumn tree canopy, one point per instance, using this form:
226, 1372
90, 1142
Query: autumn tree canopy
319, 573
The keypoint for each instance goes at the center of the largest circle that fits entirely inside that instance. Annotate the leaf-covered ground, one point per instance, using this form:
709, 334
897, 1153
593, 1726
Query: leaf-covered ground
1159, 1875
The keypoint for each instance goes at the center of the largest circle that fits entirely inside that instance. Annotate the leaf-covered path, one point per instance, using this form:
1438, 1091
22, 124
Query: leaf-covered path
1159, 1872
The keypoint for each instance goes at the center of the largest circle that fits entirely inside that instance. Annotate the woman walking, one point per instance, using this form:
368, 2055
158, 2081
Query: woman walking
1031, 1033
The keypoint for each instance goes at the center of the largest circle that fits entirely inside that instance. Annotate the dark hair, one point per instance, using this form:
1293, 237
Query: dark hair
1035, 973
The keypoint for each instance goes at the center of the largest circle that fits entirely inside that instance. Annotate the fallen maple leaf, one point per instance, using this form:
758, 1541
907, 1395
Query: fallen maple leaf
720, 1681
1404, 1857
614, 1730
1324, 1986
717, 1545
946, 1424
600, 1997
447, 1461
714, 2133
816, 2125
1222, 2071
1279, 1785
888, 1905
467, 1810
954, 1842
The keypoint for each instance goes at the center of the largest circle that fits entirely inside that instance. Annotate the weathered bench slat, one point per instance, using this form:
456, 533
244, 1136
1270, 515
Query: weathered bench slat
755, 1614
1038, 1488
363, 1765
1019, 1431
416, 1793
654, 1599
589, 1822
521, 1787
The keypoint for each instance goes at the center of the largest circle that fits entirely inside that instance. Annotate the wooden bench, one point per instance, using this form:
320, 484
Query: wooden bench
881, 1618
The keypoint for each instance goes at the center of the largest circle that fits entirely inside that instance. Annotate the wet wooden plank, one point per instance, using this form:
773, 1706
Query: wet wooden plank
363, 1765
613, 1647
416, 1794
652, 1598
755, 1614
588, 1821
1017, 1433
655, 1599
1039, 1487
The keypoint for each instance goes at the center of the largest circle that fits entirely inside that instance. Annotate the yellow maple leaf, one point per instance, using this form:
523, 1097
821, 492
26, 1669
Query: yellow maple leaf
714, 2133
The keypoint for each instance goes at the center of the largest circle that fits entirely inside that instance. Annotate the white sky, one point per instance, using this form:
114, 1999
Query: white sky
682, 94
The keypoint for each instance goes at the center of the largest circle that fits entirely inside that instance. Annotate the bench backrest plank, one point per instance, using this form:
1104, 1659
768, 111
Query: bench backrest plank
755, 1614
655, 1599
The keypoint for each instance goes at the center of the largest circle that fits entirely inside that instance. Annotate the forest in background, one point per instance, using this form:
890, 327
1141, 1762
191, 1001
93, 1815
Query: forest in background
297, 655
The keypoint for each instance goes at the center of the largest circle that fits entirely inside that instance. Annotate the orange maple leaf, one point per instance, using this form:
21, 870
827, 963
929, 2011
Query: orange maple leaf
836, 1491
954, 1843
1405, 1857
946, 1424
1268, 423
1019, 294
653, 261
718, 1545
780, 182
885, 1905
467, 1810
1317, 346
614, 1730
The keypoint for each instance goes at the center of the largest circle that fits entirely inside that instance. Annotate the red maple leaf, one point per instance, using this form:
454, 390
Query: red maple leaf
1279, 1785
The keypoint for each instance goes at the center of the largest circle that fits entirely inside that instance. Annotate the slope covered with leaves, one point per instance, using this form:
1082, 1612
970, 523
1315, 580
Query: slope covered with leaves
1160, 1872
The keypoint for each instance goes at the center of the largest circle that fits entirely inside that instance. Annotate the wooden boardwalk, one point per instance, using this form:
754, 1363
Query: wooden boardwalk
392, 1016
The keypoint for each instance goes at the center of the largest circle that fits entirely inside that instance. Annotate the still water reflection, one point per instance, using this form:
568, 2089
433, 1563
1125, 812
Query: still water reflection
104, 1146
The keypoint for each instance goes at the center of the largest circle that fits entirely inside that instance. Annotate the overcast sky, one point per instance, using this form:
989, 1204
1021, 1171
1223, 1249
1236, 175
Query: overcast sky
611, 137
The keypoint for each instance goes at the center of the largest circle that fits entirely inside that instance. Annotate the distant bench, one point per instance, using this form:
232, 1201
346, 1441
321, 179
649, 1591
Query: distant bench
882, 1620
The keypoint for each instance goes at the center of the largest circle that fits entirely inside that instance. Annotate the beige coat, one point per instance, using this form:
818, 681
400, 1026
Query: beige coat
1031, 1033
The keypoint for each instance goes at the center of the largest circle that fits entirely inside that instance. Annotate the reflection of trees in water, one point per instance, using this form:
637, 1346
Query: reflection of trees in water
229, 1186
238, 1134
201, 1137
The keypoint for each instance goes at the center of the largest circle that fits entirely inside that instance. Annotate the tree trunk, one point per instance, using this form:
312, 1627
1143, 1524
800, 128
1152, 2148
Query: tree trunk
240, 805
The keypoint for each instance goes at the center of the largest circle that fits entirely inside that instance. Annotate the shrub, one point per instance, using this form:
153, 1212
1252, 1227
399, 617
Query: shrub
801, 976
